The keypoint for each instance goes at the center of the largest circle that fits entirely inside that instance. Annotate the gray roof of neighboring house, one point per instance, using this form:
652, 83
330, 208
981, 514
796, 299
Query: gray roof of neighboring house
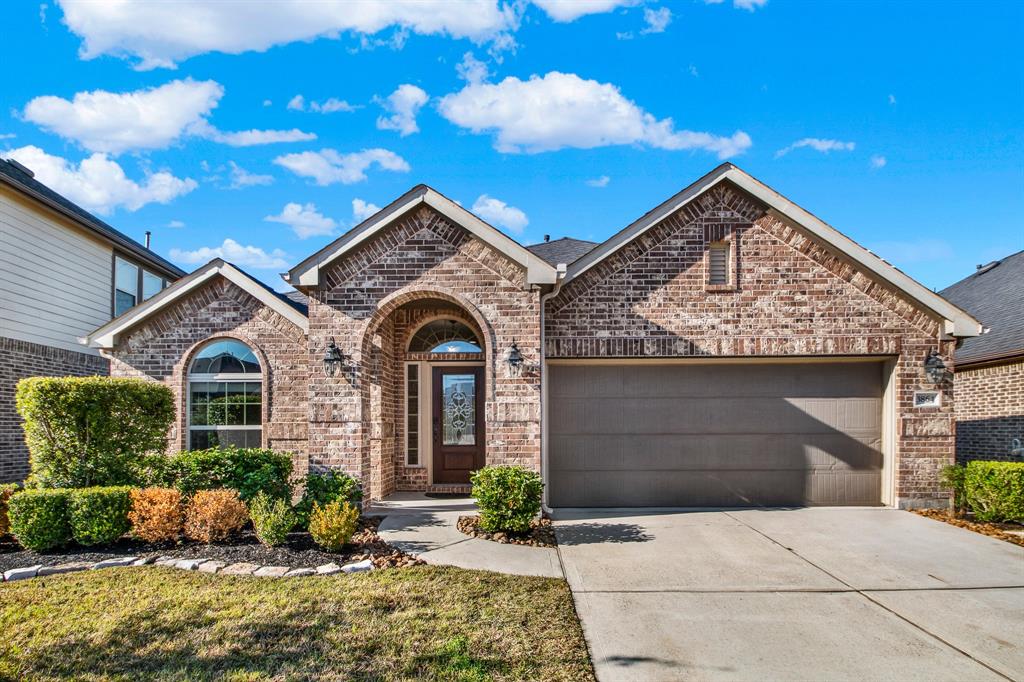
564, 250
13, 175
995, 295
297, 300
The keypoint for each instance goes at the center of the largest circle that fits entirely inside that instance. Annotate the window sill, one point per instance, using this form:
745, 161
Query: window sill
719, 288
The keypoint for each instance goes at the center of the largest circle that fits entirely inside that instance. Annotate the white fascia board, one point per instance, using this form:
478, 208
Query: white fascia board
107, 336
307, 273
956, 321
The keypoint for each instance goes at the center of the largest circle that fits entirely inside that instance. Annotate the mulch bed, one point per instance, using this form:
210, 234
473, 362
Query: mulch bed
995, 530
541, 534
298, 551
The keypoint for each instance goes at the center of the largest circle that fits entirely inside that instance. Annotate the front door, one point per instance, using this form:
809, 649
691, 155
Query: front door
458, 423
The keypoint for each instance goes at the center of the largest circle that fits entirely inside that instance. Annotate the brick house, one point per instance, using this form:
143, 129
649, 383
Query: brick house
990, 367
727, 348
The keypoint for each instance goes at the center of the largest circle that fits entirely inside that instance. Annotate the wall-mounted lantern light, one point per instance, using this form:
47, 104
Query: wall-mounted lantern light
334, 359
514, 360
935, 368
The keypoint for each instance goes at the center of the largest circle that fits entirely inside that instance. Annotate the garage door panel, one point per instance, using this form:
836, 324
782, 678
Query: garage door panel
714, 435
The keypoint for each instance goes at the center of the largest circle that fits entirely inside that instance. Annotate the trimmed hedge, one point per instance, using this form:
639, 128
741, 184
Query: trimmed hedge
995, 490
99, 515
39, 518
6, 490
88, 431
246, 470
215, 515
157, 514
509, 497
324, 487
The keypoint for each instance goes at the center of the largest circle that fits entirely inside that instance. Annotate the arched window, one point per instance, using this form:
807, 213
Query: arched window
444, 336
225, 397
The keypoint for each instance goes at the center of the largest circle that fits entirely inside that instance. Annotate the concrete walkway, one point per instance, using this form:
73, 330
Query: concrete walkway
805, 594
425, 527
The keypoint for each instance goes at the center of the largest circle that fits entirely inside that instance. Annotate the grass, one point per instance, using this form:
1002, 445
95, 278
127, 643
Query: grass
424, 622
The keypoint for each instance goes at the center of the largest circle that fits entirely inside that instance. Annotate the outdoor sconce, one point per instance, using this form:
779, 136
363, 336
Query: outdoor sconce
514, 360
334, 359
935, 368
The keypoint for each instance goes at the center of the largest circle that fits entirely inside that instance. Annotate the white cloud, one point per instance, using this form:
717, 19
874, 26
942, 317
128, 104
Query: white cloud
233, 252
892, 99
878, 161
403, 105
160, 34
329, 106
327, 166
599, 182
8, 136
749, 5
297, 103
304, 220
242, 178
562, 110
268, 102
657, 20
570, 10
250, 138
176, 224
363, 210
922, 250
499, 213
818, 145
98, 183
693, 71
471, 69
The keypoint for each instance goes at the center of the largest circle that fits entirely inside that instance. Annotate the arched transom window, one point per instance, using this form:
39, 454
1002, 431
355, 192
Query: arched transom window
225, 396
444, 336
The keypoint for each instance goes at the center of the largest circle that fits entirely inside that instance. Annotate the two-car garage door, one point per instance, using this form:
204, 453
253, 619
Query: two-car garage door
733, 434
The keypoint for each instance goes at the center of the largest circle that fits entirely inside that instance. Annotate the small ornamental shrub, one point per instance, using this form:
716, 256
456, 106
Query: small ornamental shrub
157, 514
995, 490
508, 497
245, 470
87, 431
271, 518
322, 487
953, 478
333, 524
6, 490
39, 518
99, 515
215, 515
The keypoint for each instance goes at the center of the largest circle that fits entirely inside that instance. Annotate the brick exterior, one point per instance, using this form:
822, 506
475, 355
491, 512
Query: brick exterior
990, 411
19, 360
791, 298
161, 349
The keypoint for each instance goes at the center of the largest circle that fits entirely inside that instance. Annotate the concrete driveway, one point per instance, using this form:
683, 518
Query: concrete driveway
803, 594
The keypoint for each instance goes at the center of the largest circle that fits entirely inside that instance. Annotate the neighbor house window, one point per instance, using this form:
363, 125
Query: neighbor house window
151, 285
225, 397
718, 263
126, 285
412, 415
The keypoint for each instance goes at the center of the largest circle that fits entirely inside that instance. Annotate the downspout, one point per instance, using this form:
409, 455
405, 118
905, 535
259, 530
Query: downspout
559, 280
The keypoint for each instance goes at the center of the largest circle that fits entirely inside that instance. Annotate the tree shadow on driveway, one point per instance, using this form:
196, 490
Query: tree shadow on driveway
596, 533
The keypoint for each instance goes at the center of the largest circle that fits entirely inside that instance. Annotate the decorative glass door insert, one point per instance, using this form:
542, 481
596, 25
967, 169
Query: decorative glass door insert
458, 411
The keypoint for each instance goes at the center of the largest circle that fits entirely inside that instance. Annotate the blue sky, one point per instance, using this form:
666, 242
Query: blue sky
898, 123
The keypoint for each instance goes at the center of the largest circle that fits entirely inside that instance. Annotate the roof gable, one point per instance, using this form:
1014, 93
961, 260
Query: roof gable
108, 335
307, 273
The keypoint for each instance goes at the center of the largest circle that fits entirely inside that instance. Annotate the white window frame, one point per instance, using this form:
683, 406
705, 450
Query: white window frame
231, 378
138, 274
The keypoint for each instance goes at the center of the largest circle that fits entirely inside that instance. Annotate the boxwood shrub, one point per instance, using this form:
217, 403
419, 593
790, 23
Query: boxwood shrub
98, 515
39, 518
6, 490
324, 487
508, 497
246, 470
995, 490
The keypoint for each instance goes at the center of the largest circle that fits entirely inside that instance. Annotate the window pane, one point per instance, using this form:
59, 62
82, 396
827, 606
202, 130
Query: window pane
151, 285
235, 415
412, 410
126, 277
122, 302
225, 356
253, 393
201, 440
253, 415
458, 409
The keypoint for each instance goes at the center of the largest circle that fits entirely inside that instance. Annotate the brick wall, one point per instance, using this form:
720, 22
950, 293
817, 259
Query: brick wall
791, 297
20, 360
989, 411
161, 348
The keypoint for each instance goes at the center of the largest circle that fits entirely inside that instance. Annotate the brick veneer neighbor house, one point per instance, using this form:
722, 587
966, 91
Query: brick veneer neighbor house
726, 348
57, 283
990, 367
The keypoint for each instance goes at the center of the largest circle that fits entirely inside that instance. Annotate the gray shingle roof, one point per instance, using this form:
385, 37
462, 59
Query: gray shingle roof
995, 295
14, 176
564, 250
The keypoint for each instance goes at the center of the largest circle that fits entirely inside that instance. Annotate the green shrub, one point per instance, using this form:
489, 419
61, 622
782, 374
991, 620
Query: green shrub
333, 524
39, 518
6, 490
246, 470
508, 497
272, 519
86, 431
953, 478
995, 490
99, 515
323, 487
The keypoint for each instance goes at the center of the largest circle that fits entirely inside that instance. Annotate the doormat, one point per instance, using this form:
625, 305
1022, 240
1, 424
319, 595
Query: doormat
448, 496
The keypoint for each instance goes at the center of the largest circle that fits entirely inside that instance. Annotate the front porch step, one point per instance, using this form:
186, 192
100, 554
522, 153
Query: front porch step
449, 489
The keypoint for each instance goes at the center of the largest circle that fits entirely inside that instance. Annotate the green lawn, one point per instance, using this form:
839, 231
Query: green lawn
424, 622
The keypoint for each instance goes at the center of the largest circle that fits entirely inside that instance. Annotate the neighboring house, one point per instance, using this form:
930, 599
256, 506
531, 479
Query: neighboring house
63, 272
990, 367
727, 348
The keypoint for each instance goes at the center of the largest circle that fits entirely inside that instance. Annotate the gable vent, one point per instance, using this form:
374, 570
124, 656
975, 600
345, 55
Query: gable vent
718, 263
